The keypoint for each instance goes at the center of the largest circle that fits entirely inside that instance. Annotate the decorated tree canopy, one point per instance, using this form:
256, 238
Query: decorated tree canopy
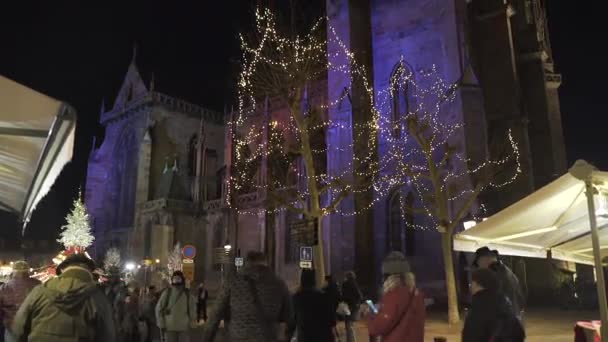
76, 234
174, 262
111, 262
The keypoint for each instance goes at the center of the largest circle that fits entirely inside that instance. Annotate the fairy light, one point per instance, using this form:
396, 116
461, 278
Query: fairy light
401, 162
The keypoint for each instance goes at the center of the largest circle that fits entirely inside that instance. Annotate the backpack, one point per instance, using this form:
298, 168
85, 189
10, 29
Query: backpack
508, 328
166, 311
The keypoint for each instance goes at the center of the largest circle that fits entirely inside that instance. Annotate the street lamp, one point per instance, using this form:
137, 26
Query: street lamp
227, 246
130, 266
157, 261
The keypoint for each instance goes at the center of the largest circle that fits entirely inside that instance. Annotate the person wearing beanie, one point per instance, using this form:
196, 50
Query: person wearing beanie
67, 308
176, 310
13, 293
402, 312
490, 316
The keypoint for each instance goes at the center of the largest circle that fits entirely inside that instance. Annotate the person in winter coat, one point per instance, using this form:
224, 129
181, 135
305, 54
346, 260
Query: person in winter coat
176, 310
351, 294
67, 308
402, 312
148, 314
254, 304
490, 317
314, 312
127, 318
332, 291
508, 283
13, 293
201, 303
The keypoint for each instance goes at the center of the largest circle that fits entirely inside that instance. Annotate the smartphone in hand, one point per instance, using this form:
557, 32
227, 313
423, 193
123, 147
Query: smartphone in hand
372, 306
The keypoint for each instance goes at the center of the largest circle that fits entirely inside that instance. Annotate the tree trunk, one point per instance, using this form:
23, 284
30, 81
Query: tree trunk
319, 256
450, 280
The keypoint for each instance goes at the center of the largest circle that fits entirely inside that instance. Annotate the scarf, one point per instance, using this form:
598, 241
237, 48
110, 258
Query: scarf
393, 281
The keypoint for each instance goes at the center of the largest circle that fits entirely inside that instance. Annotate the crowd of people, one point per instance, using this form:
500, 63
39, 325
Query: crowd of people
252, 305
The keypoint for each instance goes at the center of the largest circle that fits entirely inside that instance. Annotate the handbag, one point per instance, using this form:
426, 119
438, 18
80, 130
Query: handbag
343, 309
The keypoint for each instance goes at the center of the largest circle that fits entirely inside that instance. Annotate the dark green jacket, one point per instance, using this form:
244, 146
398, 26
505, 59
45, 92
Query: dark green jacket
65, 309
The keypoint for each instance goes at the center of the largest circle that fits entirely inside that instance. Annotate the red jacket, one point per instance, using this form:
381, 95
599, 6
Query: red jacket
12, 294
401, 316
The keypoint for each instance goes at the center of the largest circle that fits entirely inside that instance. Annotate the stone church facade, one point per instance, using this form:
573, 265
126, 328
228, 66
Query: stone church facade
159, 177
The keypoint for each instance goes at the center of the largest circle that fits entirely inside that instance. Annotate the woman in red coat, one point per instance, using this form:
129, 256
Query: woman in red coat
402, 312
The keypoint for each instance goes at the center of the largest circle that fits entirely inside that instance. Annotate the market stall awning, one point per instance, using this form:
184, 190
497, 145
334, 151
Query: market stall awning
36, 142
551, 222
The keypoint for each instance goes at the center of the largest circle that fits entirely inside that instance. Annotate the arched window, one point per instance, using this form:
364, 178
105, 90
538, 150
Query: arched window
125, 173
192, 156
401, 95
395, 223
410, 237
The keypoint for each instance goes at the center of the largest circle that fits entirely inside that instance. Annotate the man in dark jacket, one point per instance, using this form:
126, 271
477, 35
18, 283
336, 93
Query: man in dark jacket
67, 308
508, 283
490, 317
254, 304
315, 317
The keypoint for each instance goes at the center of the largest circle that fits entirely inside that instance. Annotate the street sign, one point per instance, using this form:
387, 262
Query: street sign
304, 232
305, 253
189, 252
238, 262
188, 270
187, 261
306, 264
220, 256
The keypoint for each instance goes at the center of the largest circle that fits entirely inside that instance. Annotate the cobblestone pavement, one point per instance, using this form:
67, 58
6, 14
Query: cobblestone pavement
541, 326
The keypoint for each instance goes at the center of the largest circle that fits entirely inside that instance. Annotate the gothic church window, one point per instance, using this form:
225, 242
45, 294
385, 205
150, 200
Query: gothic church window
211, 167
401, 96
125, 180
395, 224
410, 232
192, 156
401, 232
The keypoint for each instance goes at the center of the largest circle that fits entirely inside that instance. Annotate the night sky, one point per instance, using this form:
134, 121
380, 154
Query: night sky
79, 53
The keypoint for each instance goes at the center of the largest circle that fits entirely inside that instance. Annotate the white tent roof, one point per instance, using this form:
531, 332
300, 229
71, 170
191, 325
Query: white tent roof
36, 141
552, 221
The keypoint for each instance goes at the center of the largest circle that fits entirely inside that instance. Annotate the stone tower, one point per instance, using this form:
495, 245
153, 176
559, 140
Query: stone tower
498, 52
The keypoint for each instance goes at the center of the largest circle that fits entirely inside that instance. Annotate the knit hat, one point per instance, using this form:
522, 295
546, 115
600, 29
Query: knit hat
21, 267
395, 263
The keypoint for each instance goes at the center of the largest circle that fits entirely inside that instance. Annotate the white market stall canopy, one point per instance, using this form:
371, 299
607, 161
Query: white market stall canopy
551, 222
36, 142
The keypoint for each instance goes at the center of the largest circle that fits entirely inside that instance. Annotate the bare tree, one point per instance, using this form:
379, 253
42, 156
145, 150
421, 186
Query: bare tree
286, 70
425, 155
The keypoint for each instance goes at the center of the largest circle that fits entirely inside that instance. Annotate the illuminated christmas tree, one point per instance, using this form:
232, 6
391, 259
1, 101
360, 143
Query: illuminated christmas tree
174, 262
111, 262
76, 235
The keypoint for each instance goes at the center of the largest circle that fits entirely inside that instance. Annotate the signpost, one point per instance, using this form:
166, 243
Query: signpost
306, 257
304, 232
238, 262
188, 270
188, 254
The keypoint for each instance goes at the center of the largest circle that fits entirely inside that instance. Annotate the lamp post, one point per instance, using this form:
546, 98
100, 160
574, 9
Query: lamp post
226, 259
